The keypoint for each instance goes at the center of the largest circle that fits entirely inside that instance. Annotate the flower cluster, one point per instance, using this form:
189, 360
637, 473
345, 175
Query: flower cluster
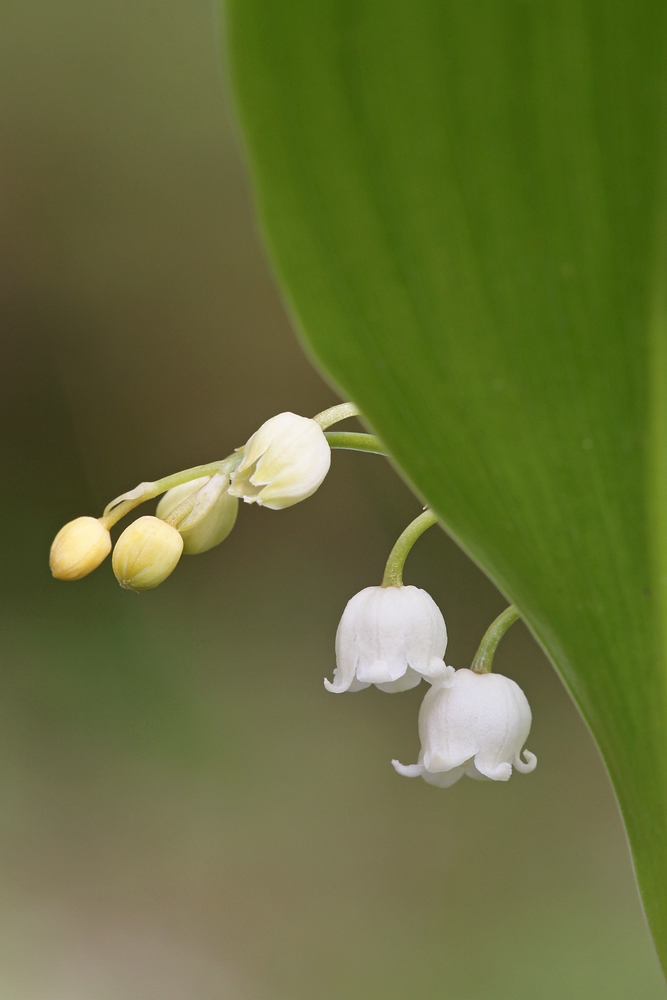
471, 722
282, 463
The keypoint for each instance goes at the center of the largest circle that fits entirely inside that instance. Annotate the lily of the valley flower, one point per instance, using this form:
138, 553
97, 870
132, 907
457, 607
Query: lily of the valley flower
391, 637
283, 462
474, 724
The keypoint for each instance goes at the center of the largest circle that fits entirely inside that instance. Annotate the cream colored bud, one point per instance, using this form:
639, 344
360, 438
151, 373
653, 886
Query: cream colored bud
146, 553
79, 548
212, 516
172, 498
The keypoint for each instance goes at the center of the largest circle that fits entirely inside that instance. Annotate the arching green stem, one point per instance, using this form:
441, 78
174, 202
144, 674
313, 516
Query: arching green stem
393, 573
353, 441
335, 414
126, 502
483, 662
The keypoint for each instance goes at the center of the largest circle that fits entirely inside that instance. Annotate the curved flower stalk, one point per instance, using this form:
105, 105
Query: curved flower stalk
390, 637
474, 724
282, 463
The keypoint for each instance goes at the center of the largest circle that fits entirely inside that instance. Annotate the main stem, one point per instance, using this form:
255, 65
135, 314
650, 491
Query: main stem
483, 662
393, 573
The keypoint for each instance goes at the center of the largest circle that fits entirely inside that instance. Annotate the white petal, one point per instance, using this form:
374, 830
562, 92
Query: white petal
357, 685
340, 684
447, 740
530, 762
410, 679
409, 770
445, 779
502, 723
472, 772
437, 673
497, 772
423, 631
380, 672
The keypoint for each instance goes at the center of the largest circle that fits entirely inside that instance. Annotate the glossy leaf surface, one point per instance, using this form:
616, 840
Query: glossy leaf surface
465, 205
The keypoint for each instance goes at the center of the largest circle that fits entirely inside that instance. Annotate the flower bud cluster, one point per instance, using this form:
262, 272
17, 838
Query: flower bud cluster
469, 723
282, 463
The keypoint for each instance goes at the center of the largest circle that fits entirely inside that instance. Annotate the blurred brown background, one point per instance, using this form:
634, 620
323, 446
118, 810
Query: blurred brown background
185, 813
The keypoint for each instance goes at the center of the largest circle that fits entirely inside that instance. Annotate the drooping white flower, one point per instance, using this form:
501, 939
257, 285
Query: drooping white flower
283, 462
391, 637
474, 724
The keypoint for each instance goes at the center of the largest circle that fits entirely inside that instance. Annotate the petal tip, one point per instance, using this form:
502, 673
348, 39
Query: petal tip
408, 770
528, 764
333, 687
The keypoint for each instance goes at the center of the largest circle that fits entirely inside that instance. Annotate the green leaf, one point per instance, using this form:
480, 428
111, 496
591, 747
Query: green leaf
465, 202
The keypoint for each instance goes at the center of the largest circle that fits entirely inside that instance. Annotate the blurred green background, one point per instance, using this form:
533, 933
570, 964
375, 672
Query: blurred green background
185, 813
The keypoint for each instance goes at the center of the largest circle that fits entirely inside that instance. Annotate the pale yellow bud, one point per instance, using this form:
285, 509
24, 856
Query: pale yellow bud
146, 553
212, 516
78, 548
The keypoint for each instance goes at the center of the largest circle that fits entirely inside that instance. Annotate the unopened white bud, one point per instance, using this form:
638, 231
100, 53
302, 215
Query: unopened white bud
391, 637
474, 724
79, 548
212, 517
146, 553
283, 462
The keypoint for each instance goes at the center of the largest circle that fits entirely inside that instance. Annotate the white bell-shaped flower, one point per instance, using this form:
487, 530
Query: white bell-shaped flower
283, 462
474, 724
391, 637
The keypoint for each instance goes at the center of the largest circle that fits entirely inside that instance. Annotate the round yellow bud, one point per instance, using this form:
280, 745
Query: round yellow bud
213, 514
78, 548
146, 553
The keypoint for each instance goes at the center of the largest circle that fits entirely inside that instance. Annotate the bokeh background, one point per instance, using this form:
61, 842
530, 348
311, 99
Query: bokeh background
185, 813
